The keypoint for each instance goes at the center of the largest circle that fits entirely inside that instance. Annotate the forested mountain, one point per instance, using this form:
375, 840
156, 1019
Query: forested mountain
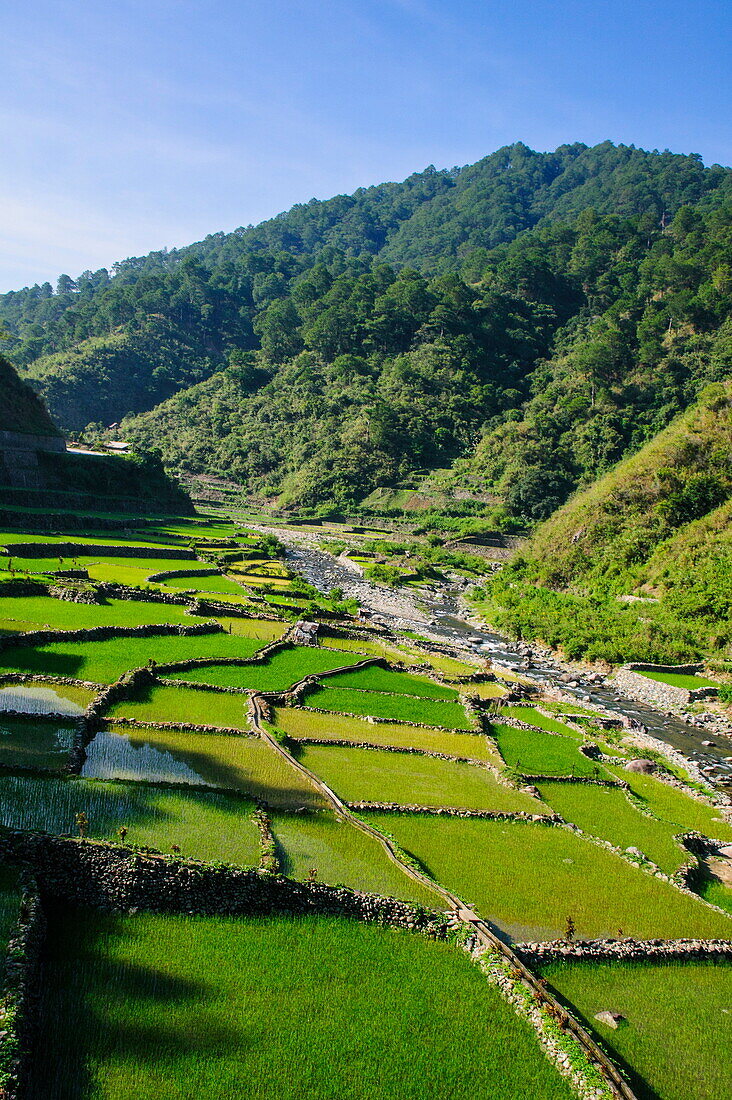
638, 566
21, 410
525, 320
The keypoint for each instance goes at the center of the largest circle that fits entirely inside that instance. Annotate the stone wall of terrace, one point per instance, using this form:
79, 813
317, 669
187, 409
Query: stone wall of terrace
112, 877
625, 950
96, 550
630, 681
104, 633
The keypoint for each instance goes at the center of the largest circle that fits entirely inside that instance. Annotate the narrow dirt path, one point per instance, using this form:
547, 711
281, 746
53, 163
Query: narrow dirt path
455, 907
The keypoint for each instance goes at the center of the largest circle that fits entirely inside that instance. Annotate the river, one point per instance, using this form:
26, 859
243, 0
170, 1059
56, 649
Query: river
439, 616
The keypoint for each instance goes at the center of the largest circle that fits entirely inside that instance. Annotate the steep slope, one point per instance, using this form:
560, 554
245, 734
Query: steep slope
21, 410
658, 529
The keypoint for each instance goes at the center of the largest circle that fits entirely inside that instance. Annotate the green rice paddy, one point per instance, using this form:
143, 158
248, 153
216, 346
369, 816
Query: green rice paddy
528, 879
175, 1007
184, 705
34, 743
679, 679
534, 753
204, 825
376, 678
341, 854
278, 672
103, 662
685, 813
216, 585
605, 812
534, 717
246, 764
45, 612
676, 1038
300, 722
371, 775
404, 708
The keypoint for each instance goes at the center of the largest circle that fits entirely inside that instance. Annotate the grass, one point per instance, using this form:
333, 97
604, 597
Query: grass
193, 706
535, 753
535, 718
103, 662
278, 672
246, 764
715, 892
371, 775
44, 611
45, 698
405, 708
204, 825
679, 679
341, 854
669, 804
676, 1039
528, 879
375, 678
605, 812
30, 743
298, 722
171, 1007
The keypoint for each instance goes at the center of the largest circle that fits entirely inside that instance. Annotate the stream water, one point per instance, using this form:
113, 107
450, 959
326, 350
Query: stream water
438, 615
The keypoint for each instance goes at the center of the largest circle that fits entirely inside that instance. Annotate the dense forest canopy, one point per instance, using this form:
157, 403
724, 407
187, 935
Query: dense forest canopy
522, 322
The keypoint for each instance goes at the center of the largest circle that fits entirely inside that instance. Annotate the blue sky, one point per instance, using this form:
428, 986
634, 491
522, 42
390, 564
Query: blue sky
128, 125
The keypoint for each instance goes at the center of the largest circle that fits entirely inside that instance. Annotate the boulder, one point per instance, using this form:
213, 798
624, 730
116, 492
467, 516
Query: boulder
612, 1019
645, 767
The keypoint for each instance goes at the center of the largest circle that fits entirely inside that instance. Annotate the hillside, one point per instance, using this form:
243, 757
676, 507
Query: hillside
21, 410
523, 322
639, 565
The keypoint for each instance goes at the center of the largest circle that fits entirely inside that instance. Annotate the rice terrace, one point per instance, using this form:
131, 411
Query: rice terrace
208, 826
366, 567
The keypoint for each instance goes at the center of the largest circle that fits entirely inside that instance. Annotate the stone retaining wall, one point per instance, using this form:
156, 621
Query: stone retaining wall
113, 877
21, 994
98, 550
104, 633
172, 574
626, 950
455, 811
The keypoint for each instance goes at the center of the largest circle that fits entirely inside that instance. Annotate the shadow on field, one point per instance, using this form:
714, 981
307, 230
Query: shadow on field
102, 1017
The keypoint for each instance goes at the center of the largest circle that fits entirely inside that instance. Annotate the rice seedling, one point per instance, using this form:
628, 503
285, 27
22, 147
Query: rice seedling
103, 662
485, 690
214, 584
264, 630
44, 699
187, 706
29, 743
404, 708
44, 611
675, 1038
533, 753
535, 718
528, 879
330, 849
204, 825
167, 1007
376, 678
685, 813
605, 812
246, 764
298, 722
370, 775
278, 672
